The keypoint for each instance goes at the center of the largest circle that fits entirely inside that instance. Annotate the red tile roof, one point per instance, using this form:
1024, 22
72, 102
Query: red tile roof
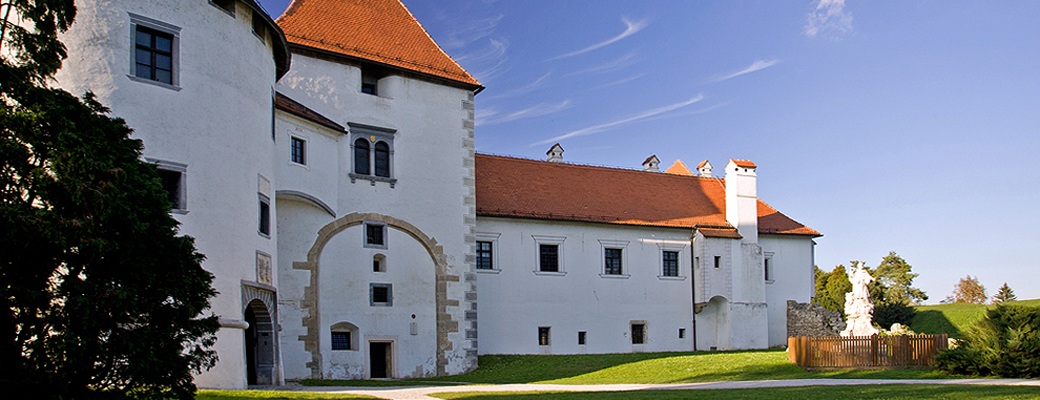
381, 31
521, 188
744, 163
679, 168
284, 103
702, 164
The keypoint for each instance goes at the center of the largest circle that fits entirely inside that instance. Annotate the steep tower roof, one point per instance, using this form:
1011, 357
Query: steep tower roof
379, 31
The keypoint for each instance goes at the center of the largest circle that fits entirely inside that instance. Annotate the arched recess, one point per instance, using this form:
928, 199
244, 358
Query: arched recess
306, 197
261, 359
311, 303
716, 315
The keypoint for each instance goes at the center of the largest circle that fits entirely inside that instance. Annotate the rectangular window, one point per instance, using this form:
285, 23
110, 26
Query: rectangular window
341, 340
682, 333
768, 273
265, 216
382, 294
298, 150
670, 260
543, 336
374, 234
718, 261
153, 55
171, 182
613, 261
484, 259
227, 5
638, 333
581, 338
369, 83
375, 266
549, 258
259, 29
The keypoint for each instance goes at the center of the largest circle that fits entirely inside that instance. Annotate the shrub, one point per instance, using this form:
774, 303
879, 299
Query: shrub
1005, 343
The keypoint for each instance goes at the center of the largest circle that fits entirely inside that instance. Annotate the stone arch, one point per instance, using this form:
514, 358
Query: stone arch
314, 200
311, 303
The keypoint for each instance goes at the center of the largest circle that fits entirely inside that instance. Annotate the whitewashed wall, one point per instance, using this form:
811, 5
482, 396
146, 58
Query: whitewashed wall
792, 265
514, 301
218, 123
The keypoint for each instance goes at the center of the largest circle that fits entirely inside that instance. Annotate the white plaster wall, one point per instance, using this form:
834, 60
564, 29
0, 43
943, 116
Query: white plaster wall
219, 124
792, 265
713, 281
319, 177
345, 274
514, 301
429, 149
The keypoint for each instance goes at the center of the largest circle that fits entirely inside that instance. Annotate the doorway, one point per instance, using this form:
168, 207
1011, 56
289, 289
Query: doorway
380, 356
260, 358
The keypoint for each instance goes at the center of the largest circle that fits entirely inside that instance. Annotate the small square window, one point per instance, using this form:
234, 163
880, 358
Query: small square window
718, 261
381, 294
549, 258
682, 333
581, 338
369, 83
670, 261
172, 183
265, 216
638, 333
613, 261
227, 5
484, 256
375, 235
259, 28
378, 263
341, 341
298, 150
543, 336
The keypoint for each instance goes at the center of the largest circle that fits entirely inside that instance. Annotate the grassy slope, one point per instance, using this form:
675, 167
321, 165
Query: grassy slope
927, 392
954, 318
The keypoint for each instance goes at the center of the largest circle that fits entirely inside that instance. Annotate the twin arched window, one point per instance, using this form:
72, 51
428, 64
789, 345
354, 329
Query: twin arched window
363, 157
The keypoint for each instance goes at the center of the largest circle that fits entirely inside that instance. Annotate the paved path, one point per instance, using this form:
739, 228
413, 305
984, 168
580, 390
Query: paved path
421, 392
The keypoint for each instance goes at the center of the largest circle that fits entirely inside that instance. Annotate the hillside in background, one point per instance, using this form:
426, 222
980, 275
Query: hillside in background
954, 318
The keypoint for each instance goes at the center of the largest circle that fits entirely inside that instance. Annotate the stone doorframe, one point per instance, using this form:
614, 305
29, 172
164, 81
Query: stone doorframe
311, 303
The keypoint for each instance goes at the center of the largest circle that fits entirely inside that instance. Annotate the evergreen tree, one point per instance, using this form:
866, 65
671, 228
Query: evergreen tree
99, 297
831, 288
1004, 294
969, 290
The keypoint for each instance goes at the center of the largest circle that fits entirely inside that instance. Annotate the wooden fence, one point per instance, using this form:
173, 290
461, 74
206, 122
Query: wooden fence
907, 351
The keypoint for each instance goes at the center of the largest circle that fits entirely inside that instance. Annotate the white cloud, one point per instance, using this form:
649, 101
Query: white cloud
755, 66
471, 31
537, 84
630, 29
489, 62
829, 18
619, 82
619, 63
603, 127
537, 110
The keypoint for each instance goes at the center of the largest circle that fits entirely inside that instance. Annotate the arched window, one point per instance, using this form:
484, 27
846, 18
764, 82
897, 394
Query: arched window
382, 156
361, 157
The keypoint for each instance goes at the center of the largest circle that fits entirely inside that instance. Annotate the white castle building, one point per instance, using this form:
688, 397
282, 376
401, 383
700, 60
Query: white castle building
325, 165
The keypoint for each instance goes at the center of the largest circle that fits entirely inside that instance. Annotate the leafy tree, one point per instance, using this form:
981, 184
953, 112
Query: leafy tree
969, 290
1004, 294
831, 288
1005, 343
99, 297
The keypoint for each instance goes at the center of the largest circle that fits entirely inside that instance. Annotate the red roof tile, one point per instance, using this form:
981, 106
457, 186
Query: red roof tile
744, 163
521, 188
381, 31
679, 168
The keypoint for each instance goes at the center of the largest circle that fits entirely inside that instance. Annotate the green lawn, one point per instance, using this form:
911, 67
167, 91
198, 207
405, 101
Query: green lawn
937, 392
270, 395
954, 318
646, 368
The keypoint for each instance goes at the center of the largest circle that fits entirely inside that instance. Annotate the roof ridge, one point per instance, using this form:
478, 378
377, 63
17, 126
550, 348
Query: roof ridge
616, 168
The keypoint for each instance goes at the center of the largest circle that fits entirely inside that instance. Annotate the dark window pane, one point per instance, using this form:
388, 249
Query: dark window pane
581, 337
163, 76
143, 57
543, 336
143, 71
164, 43
374, 234
163, 62
484, 255
298, 148
341, 340
549, 258
171, 181
380, 294
265, 218
143, 38
671, 263
382, 158
637, 334
613, 261
361, 157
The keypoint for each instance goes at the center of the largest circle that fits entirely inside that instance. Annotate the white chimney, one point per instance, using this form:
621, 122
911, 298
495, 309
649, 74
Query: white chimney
742, 198
651, 163
555, 153
704, 169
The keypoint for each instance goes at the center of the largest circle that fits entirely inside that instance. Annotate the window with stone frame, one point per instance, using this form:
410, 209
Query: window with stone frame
549, 257
638, 333
670, 263
485, 259
612, 261
373, 153
298, 150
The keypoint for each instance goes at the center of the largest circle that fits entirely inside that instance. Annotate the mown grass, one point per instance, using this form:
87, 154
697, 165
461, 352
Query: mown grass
953, 319
926, 392
271, 395
645, 368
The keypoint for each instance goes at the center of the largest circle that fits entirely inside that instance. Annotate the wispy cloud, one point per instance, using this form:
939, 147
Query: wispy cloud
471, 31
488, 62
603, 127
755, 66
619, 82
537, 110
829, 19
619, 63
537, 84
631, 27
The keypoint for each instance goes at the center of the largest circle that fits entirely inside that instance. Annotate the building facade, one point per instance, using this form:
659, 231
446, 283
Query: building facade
325, 164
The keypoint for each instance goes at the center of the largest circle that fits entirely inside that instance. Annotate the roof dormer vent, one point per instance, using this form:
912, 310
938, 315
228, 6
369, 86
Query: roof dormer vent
651, 163
555, 153
704, 169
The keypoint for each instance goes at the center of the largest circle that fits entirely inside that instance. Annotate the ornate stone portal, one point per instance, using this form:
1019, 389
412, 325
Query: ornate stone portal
858, 307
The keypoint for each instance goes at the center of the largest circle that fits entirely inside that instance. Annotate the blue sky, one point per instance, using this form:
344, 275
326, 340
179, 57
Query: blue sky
887, 125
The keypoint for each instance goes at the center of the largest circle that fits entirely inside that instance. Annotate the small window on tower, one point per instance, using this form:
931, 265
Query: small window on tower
375, 235
543, 336
381, 294
298, 150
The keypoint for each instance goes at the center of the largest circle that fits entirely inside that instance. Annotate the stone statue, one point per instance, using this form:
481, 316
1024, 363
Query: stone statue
858, 307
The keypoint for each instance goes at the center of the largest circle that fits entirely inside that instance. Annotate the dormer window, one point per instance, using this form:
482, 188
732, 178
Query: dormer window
370, 76
369, 84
